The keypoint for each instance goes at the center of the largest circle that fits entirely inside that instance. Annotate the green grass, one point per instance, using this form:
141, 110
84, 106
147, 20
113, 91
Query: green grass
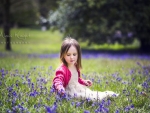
27, 41
116, 46
97, 69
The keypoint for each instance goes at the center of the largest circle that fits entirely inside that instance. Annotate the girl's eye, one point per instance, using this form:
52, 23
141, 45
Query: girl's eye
68, 54
74, 54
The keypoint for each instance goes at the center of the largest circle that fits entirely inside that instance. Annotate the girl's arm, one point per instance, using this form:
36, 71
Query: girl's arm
85, 82
58, 82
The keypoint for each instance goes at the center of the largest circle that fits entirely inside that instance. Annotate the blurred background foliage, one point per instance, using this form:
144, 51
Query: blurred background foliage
95, 22
101, 21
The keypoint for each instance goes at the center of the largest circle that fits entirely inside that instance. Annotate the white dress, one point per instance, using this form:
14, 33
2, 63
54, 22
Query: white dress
77, 90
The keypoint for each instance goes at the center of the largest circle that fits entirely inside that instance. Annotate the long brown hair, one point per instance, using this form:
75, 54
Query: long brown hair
67, 43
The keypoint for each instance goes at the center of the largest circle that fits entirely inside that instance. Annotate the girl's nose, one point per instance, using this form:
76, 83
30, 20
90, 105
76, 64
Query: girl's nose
71, 56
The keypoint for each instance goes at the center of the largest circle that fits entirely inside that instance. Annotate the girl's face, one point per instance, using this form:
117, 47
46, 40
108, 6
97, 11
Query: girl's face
71, 56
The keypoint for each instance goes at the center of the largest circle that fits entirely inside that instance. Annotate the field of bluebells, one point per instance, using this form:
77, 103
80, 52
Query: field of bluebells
25, 84
26, 76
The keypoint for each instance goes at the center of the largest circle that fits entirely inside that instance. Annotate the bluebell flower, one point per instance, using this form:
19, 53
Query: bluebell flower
118, 78
108, 102
50, 68
98, 81
132, 71
78, 104
8, 111
51, 109
145, 85
72, 103
92, 80
52, 89
117, 111
14, 94
132, 106
127, 109
32, 86
86, 111
10, 89
88, 99
138, 63
33, 94
3, 74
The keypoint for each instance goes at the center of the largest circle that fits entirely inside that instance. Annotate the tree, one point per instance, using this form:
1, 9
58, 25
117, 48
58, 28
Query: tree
101, 21
45, 6
16, 11
6, 29
24, 13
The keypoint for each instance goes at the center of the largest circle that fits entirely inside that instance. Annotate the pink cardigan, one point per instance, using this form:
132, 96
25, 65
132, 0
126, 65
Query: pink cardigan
62, 77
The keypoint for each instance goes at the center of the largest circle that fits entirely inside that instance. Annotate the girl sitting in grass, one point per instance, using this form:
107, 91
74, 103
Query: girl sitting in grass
67, 79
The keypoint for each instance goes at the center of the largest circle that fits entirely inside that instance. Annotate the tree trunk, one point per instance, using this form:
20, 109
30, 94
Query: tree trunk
7, 24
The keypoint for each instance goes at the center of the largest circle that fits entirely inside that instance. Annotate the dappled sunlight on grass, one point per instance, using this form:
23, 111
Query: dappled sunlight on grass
33, 41
29, 41
116, 46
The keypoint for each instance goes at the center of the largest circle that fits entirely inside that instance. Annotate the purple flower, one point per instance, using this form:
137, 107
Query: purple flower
50, 68
108, 102
86, 111
78, 104
8, 111
93, 80
51, 109
138, 64
119, 79
145, 85
52, 89
128, 108
14, 94
132, 106
72, 103
117, 111
32, 86
132, 71
33, 94
10, 89
102, 108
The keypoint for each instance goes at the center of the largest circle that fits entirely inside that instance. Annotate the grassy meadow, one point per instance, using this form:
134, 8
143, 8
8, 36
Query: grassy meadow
25, 81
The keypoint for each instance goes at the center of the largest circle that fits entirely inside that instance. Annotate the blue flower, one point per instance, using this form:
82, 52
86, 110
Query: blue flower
33, 94
117, 111
145, 85
10, 89
78, 104
14, 94
51, 109
128, 108
119, 79
86, 111
72, 103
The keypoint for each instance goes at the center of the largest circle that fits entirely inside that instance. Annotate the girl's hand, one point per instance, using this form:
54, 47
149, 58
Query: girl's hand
88, 83
61, 91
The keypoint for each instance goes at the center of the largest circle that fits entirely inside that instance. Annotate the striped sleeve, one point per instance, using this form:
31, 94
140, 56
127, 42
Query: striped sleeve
58, 81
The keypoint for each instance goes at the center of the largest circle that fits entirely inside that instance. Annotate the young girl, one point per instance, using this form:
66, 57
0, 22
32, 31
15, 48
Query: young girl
67, 78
